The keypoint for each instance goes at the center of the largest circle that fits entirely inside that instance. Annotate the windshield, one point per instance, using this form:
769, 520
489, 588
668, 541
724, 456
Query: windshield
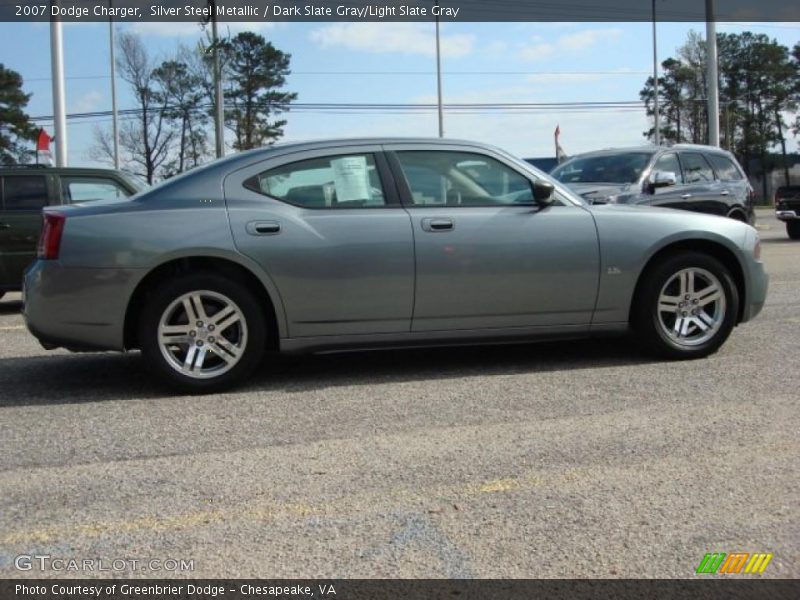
608, 168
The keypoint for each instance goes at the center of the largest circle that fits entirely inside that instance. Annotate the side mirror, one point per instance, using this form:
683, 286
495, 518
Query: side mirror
661, 179
543, 193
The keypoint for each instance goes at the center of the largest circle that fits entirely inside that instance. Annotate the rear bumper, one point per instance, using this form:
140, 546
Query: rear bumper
787, 214
77, 308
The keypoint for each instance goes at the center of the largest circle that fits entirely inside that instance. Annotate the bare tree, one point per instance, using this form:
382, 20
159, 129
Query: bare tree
147, 138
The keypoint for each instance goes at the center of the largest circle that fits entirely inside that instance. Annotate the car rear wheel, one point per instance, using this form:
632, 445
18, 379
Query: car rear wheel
687, 306
202, 332
793, 229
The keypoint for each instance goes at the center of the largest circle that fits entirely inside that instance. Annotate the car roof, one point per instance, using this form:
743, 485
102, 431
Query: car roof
652, 149
44, 169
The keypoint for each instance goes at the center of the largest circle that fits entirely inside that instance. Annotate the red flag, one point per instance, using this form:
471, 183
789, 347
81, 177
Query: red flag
43, 141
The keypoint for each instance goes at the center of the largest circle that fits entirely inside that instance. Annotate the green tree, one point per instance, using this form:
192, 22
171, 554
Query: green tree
182, 92
254, 73
759, 86
15, 127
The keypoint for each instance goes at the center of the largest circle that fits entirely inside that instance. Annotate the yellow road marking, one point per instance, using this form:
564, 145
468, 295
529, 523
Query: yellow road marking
271, 511
266, 512
12, 327
501, 485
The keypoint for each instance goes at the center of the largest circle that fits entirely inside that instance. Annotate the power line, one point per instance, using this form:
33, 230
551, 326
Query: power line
366, 108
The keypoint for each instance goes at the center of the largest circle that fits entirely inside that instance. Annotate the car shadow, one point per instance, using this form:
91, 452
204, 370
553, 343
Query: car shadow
10, 307
74, 379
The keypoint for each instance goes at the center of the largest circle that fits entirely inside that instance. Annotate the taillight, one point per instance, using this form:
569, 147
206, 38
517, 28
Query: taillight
50, 238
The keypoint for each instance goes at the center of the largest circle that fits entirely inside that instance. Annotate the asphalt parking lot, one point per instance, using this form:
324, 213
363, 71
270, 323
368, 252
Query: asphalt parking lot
580, 459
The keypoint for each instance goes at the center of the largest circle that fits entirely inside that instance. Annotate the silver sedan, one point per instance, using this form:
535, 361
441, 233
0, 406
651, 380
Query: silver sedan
357, 244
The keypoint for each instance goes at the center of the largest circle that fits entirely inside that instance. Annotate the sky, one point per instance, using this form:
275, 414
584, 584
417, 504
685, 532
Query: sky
395, 63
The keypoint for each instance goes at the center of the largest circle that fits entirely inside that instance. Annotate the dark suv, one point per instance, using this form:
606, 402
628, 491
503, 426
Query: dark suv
26, 189
691, 177
787, 209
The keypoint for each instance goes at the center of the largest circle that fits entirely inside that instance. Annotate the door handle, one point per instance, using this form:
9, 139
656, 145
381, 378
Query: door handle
438, 224
263, 228
686, 196
724, 193
5, 226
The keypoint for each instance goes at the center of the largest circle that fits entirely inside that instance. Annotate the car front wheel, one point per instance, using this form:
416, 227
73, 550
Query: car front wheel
687, 306
793, 229
202, 332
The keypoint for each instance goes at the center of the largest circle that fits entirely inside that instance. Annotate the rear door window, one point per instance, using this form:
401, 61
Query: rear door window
346, 181
24, 192
696, 168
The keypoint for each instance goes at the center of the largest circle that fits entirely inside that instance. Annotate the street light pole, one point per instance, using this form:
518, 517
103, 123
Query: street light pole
219, 115
439, 77
114, 123
59, 110
655, 81
712, 78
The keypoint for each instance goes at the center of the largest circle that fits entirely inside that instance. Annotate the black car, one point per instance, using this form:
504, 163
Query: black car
787, 209
691, 177
26, 189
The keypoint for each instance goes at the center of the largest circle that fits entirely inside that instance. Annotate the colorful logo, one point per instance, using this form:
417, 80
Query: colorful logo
719, 562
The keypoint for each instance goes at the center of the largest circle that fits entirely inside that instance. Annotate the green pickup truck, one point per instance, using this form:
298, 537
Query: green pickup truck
26, 189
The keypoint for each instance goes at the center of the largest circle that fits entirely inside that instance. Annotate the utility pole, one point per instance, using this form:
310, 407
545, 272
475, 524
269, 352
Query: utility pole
219, 115
655, 81
59, 110
712, 78
439, 77
114, 123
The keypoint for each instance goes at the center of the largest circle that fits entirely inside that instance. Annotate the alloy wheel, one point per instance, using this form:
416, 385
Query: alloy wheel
202, 334
691, 307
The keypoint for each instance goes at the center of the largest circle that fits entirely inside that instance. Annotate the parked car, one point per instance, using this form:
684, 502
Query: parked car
787, 209
691, 177
347, 244
26, 189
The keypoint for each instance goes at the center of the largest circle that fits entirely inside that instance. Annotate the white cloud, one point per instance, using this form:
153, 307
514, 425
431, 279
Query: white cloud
194, 28
397, 38
88, 102
589, 37
567, 43
537, 51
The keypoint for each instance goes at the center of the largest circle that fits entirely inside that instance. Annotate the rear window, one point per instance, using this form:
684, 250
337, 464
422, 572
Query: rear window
726, 170
24, 192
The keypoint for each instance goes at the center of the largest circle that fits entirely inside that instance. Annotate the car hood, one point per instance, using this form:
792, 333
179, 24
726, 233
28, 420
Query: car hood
593, 192
657, 218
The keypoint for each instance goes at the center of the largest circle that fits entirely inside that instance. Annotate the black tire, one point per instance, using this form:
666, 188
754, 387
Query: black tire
248, 334
656, 329
738, 214
793, 229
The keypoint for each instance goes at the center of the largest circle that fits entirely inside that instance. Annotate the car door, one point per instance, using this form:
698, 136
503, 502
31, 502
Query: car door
23, 197
486, 255
671, 196
702, 191
329, 230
